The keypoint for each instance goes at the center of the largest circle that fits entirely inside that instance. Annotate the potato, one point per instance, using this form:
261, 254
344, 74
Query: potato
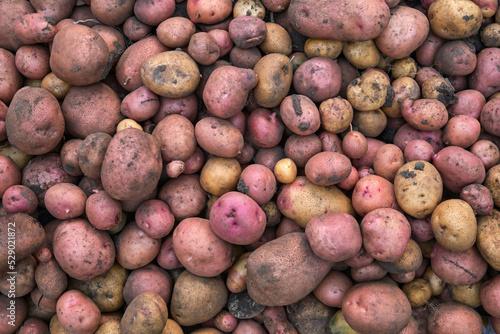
35, 28
77, 312
300, 114
436, 283
203, 48
237, 219
454, 225
20, 279
277, 40
332, 289
404, 67
487, 234
50, 279
377, 240
318, 78
132, 153
150, 278
244, 58
489, 296
302, 148
424, 114
387, 314
183, 27
405, 32
254, 8
219, 137
327, 168
336, 114
362, 55
372, 192
34, 325
34, 121
226, 90
10, 13
22, 231
302, 200
65, 201
409, 262
483, 78
220, 175
387, 161
309, 315
71, 58
105, 290
153, 13
453, 317
209, 12
370, 272
439, 88
247, 31
370, 91
487, 151
55, 86
458, 268
258, 182
418, 149
128, 68
406, 133
197, 299
467, 294
370, 123
354, 144
418, 292
337, 20
462, 131
264, 128
147, 312
275, 75
458, 168
293, 264
451, 19
32, 61
135, 248
184, 195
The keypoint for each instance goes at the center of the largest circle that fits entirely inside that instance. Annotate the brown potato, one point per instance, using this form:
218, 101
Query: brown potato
277, 40
436, 283
370, 123
147, 312
315, 47
370, 91
410, 261
488, 230
254, 8
439, 88
55, 86
309, 315
405, 67
467, 294
21, 280
220, 175
275, 75
336, 114
361, 54
418, 292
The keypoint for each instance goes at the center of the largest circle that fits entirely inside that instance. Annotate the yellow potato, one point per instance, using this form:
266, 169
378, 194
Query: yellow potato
454, 19
128, 123
220, 175
275, 73
285, 170
253, 8
363, 54
467, 294
436, 283
277, 40
328, 48
488, 236
405, 67
418, 292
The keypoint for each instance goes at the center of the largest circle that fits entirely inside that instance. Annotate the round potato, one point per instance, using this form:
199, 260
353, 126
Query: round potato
147, 312
220, 175
451, 19
300, 114
453, 317
327, 168
370, 91
78, 313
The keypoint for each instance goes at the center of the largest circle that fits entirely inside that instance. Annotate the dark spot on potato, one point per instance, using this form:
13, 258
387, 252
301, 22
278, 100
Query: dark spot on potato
325, 21
303, 126
468, 17
425, 122
340, 26
408, 174
242, 187
76, 69
296, 105
419, 165
460, 267
389, 97
157, 74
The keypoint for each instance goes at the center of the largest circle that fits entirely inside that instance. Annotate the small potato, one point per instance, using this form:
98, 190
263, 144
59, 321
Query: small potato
154, 218
409, 262
153, 13
301, 148
424, 114
192, 238
176, 135
209, 12
370, 91
78, 313
437, 87
244, 58
253, 8
35, 28
437, 284
467, 294
370, 123
55, 86
487, 117
425, 54
490, 35
362, 55
65, 201
487, 151
247, 31
186, 106
327, 168
140, 104
332, 289
32, 61
149, 278
146, 313
370, 272
258, 182
418, 292
318, 78
102, 211
166, 257
264, 128
478, 197
354, 144
327, 48
285, 170
300, 114
393, 312
387, 161
487, 234
203, 48
418, 149
405, 67
185, 195
219, 137
19, 198
183, 28
69, 156
135, 248
336, 114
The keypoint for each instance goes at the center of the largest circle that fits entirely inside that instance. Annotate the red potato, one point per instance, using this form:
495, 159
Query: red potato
424, 114
195, 162
332, 289
208, 11
237, 219
361, 259
226, 90
456, 58
184, 196
373, 192
10, 12
264, 128
367, 159
269, 156
458, 167
461, 131
223, 40
203, 48
192, 238
225, 321
35, 28
154, 218
149, 278
488, 118
478, 197
300, 114
50, 279
349, 182
490, 296
186, 106
326, 232
32, 61
469, 102
487, 151
140, 104
302, 148
65, 201
153, 13
387, 160
102, 211
327, 168
371, 272
453, 317
183, 27
418, 149
135, 30
69, 156
258, 182
19, 198
484, 78
112, 13
354, 144
166, 257
425, 54
135, 248
330, 142
318, 78
77, 313
406, 133
176, 135
245, 58
10, 174
249, 326
276, 321
425, 73
421, 229
34, 325
247, 31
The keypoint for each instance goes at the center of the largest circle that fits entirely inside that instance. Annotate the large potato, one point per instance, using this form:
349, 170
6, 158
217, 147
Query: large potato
418, 188
454, 19
284, 270
302, 200
355, 20
376, 307
132, 165
488, 234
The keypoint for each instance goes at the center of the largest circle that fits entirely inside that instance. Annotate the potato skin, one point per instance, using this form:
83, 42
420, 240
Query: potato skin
454, 318
451, 19
219, 137
275, 73
376, 307
77, 313
339, 20
327, 168
488, 231
278, 265
132, 165
147, 313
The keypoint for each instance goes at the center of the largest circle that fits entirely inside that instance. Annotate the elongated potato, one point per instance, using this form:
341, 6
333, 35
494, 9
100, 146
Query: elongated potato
275, 73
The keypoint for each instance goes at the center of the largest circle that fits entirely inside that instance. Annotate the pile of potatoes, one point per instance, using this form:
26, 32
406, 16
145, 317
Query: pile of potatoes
249, 166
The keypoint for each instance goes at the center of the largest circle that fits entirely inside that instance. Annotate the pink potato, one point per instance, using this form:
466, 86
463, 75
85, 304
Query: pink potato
176, 135
373, 192
456, 58
458, 167
184, 196
367, 159
154, 218
327, 168
10, 175
478, 197
421, 229
186, 106
418, 149
237, 218
222, 39
385, 234
300, 114
140, 104
425, 54
35, 28
487, 151
371, 272
149, 278
461, 131
264, 128
490, 296
65, 201
332, 289
199, 249
32, 61
302, 148
103, 212
82, 251
489, 119
318, 78
406, 133
166, 257
485, 77
153, 13
425, 114
258, 182
19, 198
247, 31
326, 235
78, 313
269, 156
